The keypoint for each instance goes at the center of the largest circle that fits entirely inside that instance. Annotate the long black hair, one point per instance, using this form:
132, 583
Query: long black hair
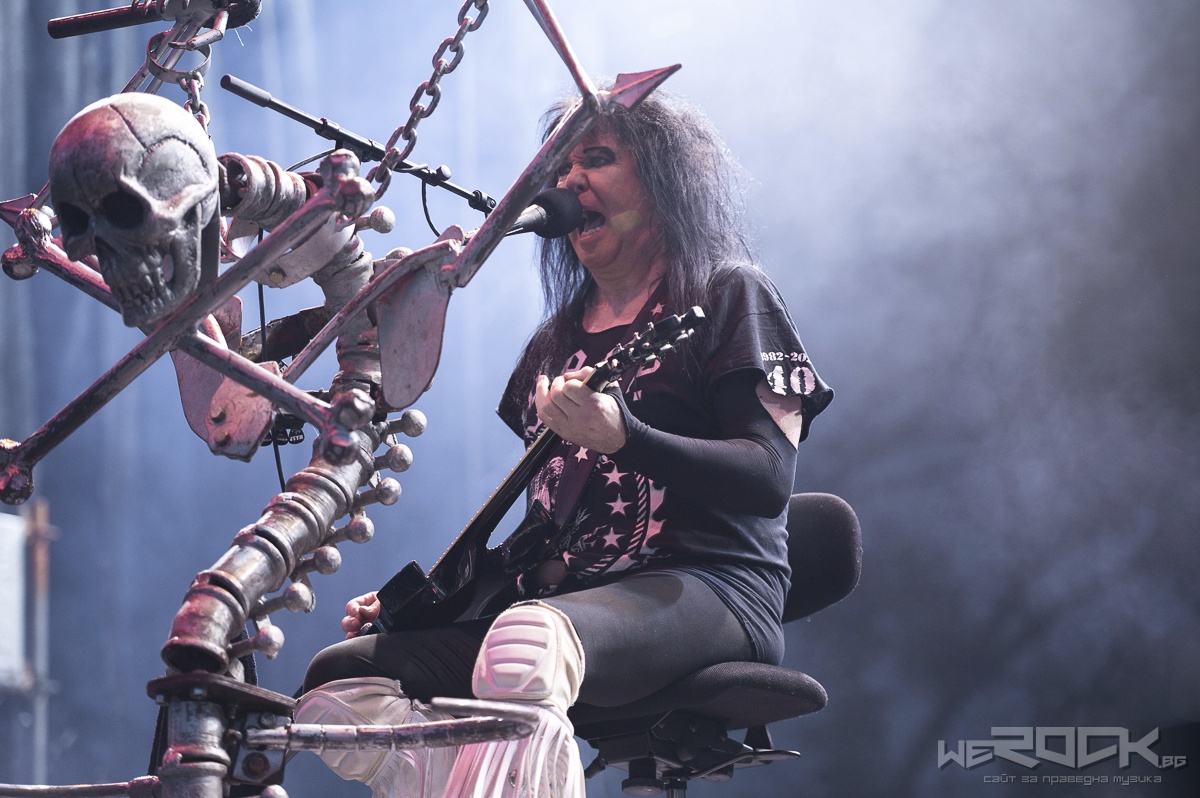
696, 188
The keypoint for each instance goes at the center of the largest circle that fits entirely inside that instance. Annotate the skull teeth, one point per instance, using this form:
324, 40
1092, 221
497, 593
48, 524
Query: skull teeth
141, 290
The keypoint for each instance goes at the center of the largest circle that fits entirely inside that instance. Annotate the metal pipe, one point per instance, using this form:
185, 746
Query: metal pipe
40, 534
487, 721
435, 734
296, 520
549, 25
143, 787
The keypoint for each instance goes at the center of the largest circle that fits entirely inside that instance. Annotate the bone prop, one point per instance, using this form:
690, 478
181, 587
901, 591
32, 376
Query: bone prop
17, 461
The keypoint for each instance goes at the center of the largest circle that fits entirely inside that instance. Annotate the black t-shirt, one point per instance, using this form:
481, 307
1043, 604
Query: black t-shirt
624, 521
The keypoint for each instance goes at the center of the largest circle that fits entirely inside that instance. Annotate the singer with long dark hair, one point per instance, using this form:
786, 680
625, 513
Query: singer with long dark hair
671, 489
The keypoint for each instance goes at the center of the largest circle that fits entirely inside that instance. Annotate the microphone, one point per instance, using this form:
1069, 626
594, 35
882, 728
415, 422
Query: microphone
553, 213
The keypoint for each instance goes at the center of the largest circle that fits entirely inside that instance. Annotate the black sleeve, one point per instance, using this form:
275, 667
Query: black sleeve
750, 470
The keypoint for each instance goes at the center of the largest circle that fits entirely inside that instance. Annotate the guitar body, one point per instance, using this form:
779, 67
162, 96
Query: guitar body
481, 582
411, 600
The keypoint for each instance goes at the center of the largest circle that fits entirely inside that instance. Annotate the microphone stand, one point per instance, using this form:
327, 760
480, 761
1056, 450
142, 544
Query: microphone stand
366, 149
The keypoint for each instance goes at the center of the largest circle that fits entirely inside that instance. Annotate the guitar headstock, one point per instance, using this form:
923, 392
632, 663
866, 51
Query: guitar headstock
646, 346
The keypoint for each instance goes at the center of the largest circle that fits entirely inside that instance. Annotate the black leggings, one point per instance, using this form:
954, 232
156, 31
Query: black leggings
639, 634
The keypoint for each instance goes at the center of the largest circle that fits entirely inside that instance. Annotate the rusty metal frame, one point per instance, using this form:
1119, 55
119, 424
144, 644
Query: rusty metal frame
204, 705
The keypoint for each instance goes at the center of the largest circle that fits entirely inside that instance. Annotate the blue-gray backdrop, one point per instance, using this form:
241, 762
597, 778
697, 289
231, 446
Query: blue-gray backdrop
985, 217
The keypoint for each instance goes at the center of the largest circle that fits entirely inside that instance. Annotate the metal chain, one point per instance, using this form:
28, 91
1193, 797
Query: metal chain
193, 85
382, 173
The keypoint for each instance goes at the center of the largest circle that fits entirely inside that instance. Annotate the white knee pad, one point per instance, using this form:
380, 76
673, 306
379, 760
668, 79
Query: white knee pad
533, 654
376, 701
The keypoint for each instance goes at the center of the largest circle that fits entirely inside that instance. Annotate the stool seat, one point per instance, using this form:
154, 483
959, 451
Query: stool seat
739, 694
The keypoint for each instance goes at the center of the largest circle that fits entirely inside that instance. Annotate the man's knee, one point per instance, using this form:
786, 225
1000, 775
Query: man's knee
332, 664
531, 653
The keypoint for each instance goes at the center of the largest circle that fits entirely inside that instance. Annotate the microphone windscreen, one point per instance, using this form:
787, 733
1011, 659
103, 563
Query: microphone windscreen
563, 212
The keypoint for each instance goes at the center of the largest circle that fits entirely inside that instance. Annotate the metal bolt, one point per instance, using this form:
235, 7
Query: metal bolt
16, 486
325, 560
256, 765
339, 163
381, 220
412, 423
17, 265
337, 448
268, 641
217, 414
297, 598
352, 197
387, 493
353, 409
222, 439
359, 529
397, 458
276, 275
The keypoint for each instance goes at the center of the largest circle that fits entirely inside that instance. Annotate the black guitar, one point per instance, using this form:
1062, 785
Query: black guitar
471, 580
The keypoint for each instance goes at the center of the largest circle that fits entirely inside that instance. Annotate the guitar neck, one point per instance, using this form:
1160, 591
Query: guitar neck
486, 518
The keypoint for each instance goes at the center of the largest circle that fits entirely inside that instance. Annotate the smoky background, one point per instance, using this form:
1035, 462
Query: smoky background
985, 218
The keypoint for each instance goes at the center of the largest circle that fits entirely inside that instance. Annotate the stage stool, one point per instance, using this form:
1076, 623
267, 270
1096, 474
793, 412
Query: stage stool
681, 733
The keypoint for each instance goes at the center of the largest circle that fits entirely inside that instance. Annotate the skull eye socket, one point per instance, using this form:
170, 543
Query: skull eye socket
123, 209
71, 219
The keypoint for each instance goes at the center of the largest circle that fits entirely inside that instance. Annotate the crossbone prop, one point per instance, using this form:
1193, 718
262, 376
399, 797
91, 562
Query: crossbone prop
140, 196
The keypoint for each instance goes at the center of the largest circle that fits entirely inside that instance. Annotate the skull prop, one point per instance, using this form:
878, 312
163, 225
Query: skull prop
133, 179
